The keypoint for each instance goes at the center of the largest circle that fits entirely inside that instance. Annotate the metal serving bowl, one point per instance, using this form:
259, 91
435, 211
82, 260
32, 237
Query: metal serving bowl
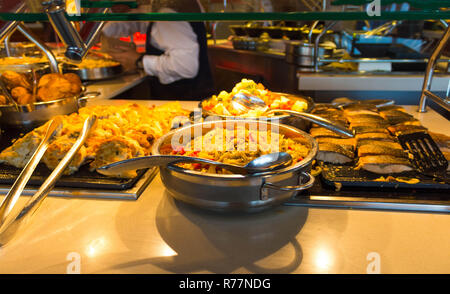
284, 118
36, 114
235, 192
95, 73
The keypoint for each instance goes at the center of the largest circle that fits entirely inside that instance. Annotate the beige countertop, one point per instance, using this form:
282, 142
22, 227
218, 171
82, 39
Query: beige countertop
156, 234
110, 88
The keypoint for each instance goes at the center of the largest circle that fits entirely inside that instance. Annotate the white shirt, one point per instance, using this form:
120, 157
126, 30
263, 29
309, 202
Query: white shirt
176, 38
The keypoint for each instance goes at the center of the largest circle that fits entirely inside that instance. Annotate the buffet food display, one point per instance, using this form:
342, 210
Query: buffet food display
221, 104
49, 87
121, 132
239, 146
374, 156
10, 60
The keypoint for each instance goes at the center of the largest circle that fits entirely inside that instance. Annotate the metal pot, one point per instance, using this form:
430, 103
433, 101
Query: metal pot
234, 192
38, 113
284, 119
302, 54
94, 74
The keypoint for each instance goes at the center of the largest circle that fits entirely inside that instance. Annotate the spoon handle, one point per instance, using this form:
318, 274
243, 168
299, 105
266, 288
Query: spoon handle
332, 126
157, 160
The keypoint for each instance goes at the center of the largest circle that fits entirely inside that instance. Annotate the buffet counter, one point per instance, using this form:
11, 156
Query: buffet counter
110, 88
271, 68
156, 234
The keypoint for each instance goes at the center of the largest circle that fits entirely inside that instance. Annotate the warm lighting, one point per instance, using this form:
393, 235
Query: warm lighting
95, 246
323, 259
167, 251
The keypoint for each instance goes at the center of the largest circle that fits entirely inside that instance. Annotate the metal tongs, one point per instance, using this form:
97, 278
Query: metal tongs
11, 218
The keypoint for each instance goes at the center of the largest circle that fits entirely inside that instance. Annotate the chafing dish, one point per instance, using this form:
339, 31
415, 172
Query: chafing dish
234, 192
33, 115
95, 73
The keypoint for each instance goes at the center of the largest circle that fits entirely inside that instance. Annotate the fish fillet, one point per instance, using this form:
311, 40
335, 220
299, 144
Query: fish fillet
349, 143
366, 118
405, 129
384, 164
375, 136
333, 153
388, 144
370, 149
396, 116
323, 132
369, 129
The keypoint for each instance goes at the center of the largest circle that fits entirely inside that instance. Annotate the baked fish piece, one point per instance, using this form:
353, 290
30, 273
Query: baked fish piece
317, 132
403, 129
349, 143
369, 129
384, 164
387, 144
365, 118
370, 149
369, 124
395, 116
375, 136
391, 107
334, 153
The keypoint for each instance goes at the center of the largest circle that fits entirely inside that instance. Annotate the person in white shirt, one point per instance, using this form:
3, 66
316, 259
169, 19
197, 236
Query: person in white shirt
176, 58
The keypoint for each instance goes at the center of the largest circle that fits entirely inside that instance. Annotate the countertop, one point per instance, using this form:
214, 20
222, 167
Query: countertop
156, 234
110, 88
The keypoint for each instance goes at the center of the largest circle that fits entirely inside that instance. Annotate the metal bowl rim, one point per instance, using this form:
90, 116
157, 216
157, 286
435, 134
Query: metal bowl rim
11, 108
301, 164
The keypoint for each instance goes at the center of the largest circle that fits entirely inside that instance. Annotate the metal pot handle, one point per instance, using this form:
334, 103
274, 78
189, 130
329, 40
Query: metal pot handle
87, 95
267, 186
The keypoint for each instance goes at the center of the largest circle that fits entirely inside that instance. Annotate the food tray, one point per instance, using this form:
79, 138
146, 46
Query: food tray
94, 74
83, 178
347, 176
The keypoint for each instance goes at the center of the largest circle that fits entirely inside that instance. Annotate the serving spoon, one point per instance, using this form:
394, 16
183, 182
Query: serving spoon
245, 102
263, 163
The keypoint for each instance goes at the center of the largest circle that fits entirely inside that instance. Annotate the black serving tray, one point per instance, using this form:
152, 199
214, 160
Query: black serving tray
83, 178
347, 176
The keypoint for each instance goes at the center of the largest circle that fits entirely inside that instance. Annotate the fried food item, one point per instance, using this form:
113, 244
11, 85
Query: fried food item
75, 81
23, 148
53, 87
3, 100
121, 132
14, 79
58, 148
22, 96
116, 149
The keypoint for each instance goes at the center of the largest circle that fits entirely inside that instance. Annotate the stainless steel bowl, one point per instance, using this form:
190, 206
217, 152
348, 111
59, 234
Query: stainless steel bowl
36, 114
94, 74
283, 119
234, 192
302, 54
